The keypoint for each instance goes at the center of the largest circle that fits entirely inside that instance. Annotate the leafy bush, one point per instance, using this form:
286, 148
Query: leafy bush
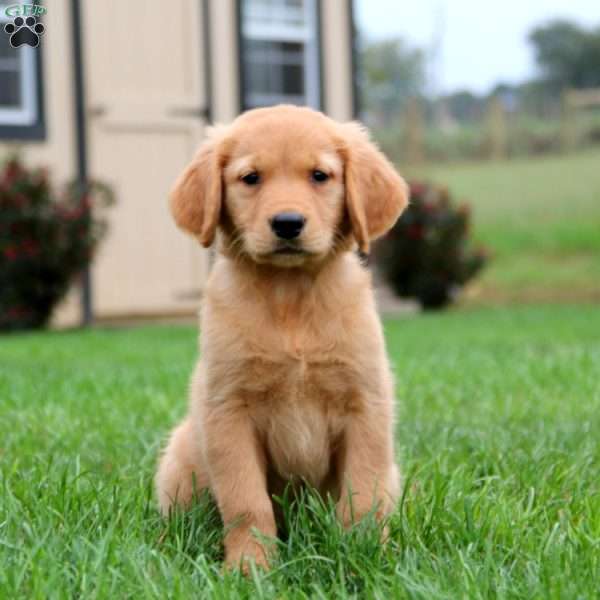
46, 240
427, 255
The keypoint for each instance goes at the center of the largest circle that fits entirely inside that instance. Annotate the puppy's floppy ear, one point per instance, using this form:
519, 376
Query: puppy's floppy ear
375, 194
196, 197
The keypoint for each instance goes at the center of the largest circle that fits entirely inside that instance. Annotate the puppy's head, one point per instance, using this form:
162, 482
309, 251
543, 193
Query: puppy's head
288, 186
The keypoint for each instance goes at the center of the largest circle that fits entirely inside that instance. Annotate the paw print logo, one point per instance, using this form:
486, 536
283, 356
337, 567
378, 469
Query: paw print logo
24, 32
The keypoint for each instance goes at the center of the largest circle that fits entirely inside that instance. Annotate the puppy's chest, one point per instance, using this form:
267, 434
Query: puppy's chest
300, 407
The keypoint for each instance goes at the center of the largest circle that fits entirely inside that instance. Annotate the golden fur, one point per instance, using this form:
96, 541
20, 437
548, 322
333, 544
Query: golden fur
294, 383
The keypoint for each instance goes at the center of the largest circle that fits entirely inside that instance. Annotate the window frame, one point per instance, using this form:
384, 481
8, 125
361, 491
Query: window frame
313, 52
26, 122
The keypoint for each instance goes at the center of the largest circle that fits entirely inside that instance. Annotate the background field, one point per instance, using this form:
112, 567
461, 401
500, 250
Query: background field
540, 217
499, 451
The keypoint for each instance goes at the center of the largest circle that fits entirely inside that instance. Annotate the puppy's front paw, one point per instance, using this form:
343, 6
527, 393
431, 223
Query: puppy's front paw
242, 556
351, 510
349, 515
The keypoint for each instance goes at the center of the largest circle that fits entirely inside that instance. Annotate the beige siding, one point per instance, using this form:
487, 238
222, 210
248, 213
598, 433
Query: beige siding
337, 62
224, 60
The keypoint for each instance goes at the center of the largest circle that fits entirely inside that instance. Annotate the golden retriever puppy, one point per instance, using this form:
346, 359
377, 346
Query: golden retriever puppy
293, 384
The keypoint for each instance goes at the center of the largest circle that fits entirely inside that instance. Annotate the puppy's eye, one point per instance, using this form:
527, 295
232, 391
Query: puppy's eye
251, 178
319, 176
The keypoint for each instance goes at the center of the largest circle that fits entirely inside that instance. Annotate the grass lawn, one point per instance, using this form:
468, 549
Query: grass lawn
498, 429
541, 219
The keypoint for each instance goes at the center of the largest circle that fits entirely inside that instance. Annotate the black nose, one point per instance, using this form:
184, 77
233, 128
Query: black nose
287, 225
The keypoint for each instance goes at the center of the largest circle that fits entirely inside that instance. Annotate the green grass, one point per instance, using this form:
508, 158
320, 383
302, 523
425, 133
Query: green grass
497, 435
541, 219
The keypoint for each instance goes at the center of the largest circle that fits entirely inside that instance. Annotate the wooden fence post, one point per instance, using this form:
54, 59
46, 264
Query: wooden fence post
568, 125
414, 131
496, 129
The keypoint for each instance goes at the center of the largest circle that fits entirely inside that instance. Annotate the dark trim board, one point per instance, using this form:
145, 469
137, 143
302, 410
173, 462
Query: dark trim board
319, 10
353, 36
81, 140
239, 53
207, 52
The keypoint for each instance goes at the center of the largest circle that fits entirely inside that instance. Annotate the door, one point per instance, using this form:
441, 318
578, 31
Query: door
146, 104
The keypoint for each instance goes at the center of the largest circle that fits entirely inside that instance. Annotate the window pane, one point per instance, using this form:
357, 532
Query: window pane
9, 56
293, 79
289, 13
274, 68
19, 89
10, 89
6, 50
10, 76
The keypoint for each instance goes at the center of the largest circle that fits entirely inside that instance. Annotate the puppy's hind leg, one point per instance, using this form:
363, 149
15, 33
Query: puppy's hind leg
180, 471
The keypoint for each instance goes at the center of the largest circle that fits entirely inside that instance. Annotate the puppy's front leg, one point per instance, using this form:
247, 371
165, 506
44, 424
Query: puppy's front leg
368, 475
237, 468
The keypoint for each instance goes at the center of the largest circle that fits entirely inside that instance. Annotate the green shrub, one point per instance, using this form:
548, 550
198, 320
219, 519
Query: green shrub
428, 255
46, 240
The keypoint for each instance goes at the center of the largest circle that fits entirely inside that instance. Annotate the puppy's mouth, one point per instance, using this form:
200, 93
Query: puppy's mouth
289, 250
286, 254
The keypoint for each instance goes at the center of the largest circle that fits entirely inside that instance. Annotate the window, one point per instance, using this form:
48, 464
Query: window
20, 89
279, 53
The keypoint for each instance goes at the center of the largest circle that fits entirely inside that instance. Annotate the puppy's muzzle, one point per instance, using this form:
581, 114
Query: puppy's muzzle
287, 225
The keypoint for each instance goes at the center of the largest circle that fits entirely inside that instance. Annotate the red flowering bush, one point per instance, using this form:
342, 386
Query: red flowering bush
46, 240
428, 255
